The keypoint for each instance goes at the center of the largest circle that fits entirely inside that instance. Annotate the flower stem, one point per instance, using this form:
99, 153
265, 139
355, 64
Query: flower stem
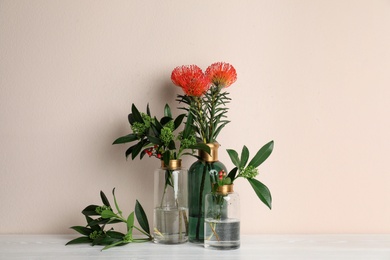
212, 114
143, 232
213, 230
199, 115
201, 199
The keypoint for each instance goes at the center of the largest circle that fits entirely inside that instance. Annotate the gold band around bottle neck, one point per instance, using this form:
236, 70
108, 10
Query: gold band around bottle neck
213, 156
173, 165
225, 189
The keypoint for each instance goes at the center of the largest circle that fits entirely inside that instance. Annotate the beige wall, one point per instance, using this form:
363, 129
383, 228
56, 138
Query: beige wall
312, 75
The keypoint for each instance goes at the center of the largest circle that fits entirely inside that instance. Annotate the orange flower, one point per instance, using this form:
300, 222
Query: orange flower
221, 74
191, 79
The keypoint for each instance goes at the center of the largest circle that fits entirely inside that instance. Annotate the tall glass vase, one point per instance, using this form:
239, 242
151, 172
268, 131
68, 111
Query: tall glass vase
170, 204
199, 184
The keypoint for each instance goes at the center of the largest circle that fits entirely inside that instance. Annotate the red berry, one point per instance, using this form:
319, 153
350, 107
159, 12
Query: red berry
221, 174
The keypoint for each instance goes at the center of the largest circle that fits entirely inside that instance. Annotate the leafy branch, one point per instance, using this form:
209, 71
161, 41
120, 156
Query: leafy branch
249, 171
209, 112
95, 231
157, 137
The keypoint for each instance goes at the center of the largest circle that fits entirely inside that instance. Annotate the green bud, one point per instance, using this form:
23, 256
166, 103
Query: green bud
249, 172
166, 135
100, 209
96, 234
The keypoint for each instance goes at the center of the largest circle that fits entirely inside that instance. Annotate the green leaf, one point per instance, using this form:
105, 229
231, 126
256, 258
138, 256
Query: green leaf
227, 181
142, 154
136, 114
157, 125
130, 117
154, 140
79, 240
141, 217
90, 211
232, 174
130, 150
130, 223
165, 120
172, 145
262, 155
244, 157
234, 157
137, 149
100, 240
262, 192
82, 230
193, 155
126, 139
178, 120
107, 213
115, 234
218, 130
188, 126
154, 130
148, 110
166, 157
104, 199
90, 223
167, 111
94, 224
201, 146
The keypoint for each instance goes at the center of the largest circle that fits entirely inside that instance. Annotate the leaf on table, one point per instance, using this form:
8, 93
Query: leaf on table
141, 217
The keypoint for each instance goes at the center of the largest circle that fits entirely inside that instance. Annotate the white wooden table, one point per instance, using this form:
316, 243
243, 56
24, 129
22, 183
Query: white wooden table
368, 247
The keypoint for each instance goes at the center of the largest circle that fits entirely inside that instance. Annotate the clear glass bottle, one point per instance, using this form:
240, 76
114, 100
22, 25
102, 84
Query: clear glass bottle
199, 184
170, 204
222, 219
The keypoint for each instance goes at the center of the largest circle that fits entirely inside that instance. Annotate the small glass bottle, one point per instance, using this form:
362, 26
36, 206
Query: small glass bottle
170, 204
222, 219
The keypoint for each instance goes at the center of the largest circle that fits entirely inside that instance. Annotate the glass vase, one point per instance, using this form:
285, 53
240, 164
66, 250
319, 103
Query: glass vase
199, 184
222, 219
170, 204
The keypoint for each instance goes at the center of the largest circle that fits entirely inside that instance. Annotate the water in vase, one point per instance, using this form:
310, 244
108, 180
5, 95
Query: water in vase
222, 234
171, 225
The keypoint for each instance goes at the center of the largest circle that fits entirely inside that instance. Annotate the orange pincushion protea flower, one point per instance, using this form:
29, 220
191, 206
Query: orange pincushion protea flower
191, 79
221, 74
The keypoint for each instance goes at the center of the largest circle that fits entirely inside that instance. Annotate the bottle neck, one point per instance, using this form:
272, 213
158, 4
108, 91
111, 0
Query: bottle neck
173, 165
225, 189
213, 156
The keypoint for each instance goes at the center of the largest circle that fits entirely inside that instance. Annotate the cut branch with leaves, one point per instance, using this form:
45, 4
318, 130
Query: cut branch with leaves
98, 217
157, 138
249, 171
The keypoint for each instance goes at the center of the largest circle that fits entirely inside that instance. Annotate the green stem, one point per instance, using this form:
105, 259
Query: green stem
201, 199
166, 177
212, 114
143, 232
199, 115
213, 230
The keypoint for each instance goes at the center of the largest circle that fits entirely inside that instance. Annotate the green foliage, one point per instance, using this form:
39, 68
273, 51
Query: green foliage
157, 137
95, 232
262, 192
141, 217
209, 112
249, 170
